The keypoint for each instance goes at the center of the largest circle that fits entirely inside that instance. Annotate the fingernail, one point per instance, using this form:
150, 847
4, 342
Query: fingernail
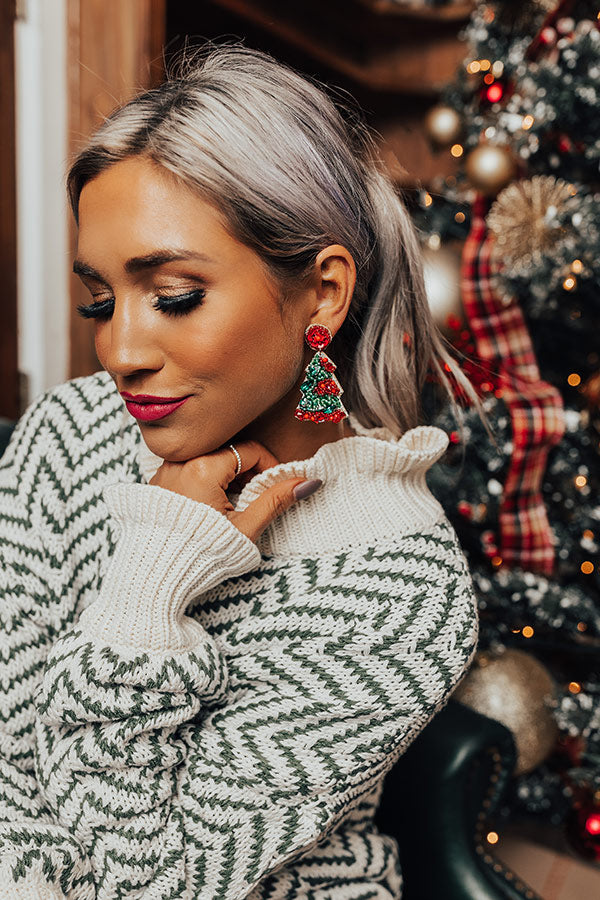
307, 488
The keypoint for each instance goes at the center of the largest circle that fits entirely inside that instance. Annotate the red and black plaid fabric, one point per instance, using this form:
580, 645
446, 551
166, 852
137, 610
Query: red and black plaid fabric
502, 340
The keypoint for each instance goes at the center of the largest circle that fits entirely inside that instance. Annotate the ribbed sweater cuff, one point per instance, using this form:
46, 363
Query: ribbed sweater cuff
170, 550
30, 890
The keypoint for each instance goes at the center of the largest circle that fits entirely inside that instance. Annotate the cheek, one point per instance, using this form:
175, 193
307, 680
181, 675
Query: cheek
101, 340
245, 349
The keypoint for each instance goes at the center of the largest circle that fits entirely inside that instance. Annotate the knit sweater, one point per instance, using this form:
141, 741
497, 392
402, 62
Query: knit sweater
189, 714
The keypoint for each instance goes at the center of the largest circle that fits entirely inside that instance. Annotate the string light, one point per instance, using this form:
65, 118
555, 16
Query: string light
428, 199
588, 534
496, 561
574, 687
485, 64
587, 567
492, 837
569, 283
576, 266
574, 379
498, 68
489, 78
527, 122
457, 150
473, 67
459, 217
581, 626
528, 631
580, 481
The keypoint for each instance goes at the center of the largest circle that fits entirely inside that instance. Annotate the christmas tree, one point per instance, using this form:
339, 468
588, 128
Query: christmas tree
512, 266
320, 401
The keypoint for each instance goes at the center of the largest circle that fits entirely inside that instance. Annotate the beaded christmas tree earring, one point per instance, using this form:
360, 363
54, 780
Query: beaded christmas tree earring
320, 401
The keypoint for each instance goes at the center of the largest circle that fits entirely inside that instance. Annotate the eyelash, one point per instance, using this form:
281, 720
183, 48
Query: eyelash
172, 306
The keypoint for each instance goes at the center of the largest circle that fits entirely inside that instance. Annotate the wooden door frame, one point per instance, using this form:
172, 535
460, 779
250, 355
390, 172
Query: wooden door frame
10, 406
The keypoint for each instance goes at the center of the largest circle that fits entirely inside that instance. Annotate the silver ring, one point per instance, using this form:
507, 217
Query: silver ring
239, 460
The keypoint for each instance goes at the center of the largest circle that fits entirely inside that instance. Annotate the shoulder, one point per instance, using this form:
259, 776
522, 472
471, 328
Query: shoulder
374, 491
79, 424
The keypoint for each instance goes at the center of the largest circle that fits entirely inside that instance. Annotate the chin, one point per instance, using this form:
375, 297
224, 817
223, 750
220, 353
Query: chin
170, 446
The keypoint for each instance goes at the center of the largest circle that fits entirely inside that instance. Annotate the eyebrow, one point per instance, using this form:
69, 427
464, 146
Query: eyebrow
140, 263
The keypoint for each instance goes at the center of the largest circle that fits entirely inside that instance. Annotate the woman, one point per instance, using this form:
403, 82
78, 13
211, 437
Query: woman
230, 601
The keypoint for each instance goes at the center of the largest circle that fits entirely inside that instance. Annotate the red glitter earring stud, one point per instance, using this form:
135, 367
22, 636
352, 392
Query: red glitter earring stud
321, 391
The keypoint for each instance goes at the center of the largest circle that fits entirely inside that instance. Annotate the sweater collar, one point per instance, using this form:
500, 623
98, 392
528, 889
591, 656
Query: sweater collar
371, 451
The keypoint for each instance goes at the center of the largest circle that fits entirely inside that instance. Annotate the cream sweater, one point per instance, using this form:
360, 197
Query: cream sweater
188, 714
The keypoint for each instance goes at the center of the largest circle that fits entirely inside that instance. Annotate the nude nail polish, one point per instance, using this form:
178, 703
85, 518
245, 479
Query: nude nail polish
307, 488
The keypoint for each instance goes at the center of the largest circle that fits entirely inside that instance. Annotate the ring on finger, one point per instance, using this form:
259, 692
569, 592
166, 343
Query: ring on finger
238, 458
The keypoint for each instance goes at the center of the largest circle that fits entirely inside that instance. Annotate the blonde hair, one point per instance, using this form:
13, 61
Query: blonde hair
292, 171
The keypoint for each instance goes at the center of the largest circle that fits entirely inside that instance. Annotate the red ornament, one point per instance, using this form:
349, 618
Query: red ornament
592, 824
327, 386
317, 336
565, 145
327, 363
495, 93
548, 36
583, 827
318, 416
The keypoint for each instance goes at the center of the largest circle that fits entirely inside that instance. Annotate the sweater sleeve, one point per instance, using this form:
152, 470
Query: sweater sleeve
193, 770
39, 859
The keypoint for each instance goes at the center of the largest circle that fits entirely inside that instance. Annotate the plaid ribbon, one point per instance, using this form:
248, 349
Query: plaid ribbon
537, 416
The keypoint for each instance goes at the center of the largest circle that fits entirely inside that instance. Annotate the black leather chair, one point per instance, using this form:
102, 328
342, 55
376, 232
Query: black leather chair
6, 428
439, 799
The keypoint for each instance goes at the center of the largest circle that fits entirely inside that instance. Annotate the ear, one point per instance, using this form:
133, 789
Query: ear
334, 280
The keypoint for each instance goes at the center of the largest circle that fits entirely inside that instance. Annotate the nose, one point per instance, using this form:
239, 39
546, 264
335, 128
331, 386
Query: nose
132, 343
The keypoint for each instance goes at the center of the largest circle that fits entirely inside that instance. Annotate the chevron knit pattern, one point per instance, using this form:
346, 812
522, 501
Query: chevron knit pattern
188, 714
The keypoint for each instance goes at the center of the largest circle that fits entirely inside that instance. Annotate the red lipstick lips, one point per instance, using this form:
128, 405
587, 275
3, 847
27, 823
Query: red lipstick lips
147, 408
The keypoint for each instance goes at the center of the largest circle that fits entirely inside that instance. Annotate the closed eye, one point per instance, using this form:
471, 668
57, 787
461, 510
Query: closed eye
174, 306
182, 303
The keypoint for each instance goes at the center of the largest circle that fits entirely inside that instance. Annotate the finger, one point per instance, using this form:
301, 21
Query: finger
253, 455
253, 520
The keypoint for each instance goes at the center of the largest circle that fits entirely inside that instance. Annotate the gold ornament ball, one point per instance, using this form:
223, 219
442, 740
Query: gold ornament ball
443, 125
511, 687
441, 271
489, 168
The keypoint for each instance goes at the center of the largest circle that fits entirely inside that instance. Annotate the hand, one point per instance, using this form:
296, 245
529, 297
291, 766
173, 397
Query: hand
206, 478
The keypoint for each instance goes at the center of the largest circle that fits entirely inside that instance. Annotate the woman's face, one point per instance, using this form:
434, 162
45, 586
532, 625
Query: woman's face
186, 311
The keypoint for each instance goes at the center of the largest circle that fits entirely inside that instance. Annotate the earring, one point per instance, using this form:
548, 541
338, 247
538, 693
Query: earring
320, 401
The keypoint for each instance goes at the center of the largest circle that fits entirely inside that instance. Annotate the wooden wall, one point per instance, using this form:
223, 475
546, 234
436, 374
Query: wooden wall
114, 51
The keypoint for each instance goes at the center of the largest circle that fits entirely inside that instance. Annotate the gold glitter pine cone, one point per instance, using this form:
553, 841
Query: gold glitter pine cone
521, 219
